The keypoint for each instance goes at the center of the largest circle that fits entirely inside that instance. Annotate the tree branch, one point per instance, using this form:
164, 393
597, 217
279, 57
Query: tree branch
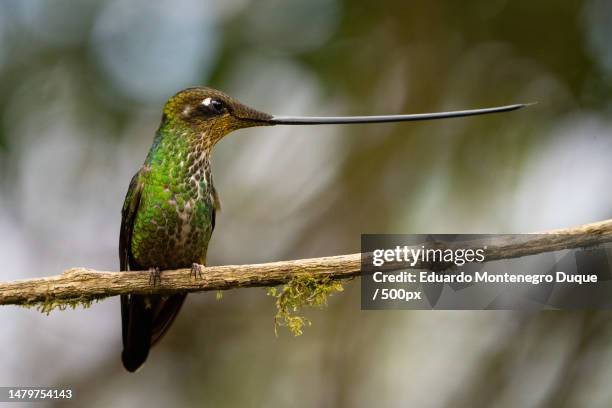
81, 284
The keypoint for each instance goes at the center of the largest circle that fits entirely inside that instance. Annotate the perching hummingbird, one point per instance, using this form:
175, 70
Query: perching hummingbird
169, 211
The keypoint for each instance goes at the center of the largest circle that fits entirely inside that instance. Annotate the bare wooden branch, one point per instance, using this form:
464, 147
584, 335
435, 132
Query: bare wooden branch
85, 284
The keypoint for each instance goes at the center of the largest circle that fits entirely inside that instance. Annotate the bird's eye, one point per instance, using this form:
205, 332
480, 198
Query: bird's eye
214, 105
218, 106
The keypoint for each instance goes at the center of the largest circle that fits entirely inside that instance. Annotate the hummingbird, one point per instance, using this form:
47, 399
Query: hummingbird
168, 215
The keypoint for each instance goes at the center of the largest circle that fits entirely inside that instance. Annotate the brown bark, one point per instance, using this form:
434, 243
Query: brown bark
81, 284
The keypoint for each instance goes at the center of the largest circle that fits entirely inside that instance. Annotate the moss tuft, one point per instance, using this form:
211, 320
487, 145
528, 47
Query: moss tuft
48, 305
302, 290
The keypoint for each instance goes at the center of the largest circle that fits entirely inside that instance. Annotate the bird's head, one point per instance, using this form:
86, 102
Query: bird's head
211, 115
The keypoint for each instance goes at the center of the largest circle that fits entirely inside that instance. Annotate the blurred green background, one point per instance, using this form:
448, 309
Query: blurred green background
83, 84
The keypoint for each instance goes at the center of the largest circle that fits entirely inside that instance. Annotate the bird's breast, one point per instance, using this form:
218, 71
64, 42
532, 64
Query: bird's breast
173, 224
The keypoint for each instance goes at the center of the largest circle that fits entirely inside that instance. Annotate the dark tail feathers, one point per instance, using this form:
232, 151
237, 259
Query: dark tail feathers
145, 319
137, 330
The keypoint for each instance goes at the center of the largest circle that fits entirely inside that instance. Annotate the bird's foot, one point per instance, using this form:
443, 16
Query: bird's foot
154, 276
196, 270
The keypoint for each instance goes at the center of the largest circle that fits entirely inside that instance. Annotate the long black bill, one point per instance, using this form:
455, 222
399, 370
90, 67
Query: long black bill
330, 120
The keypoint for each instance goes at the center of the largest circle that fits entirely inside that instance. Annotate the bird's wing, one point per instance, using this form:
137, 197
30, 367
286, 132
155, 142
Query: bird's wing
128, 215
216, 207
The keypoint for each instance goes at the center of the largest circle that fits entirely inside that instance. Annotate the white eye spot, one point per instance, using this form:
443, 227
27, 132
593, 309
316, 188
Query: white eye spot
206, 102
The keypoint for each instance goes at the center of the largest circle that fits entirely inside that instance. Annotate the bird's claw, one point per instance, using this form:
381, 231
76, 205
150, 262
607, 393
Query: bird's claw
154, 276
196, 270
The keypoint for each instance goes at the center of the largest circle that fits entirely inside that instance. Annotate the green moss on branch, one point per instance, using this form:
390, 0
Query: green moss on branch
301, 291
49, 305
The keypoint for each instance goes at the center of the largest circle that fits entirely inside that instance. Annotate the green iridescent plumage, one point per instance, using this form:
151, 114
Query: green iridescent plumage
169, 211
177, 210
